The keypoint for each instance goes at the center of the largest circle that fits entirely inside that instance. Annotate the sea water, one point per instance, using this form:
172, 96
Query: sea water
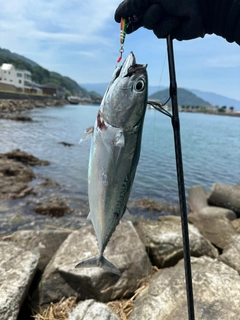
210, 148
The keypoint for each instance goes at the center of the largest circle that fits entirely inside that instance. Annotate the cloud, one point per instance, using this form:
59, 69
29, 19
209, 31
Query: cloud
224, 61
69, 21
80, 39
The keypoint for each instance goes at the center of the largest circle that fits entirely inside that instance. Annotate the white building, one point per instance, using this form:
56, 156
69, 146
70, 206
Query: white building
21, 79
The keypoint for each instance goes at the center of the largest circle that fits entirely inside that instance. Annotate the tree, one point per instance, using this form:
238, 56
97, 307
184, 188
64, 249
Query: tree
222, 109
231, 109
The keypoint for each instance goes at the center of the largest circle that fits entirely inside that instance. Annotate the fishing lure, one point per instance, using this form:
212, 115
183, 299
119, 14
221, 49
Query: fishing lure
123, 26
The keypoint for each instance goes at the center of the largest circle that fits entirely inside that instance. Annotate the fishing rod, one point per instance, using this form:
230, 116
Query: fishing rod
180, 178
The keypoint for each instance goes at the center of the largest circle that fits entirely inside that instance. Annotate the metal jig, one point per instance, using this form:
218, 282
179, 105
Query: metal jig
123, 26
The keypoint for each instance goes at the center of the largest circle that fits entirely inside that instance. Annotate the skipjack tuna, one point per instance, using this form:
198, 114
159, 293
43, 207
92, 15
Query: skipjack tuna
114, 153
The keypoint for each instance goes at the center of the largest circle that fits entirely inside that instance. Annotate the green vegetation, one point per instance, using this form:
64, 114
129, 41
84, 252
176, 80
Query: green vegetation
222, 109
41, 75
14, 56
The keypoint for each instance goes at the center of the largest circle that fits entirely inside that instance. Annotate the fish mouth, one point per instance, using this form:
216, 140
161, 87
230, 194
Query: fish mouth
127, 69
130, 67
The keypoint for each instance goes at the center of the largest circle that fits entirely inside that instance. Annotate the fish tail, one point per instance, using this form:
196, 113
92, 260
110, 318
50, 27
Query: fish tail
99, 261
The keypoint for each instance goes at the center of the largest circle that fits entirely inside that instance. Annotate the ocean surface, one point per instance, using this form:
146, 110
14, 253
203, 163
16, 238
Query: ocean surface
210, 147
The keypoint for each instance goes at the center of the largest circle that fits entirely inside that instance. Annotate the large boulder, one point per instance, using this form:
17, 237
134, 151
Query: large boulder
226, 196
215, 287
218, 230
231, 253
164, 244
125, 250
45, 242
92, 310
197, 198
217, 212
17, 269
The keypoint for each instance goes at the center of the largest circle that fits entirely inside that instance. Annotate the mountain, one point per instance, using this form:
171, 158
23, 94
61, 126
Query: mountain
208, 97
185, 98
217, 99
41, 75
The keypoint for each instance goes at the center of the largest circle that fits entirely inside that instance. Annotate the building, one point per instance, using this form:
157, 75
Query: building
21, 79
212, 108
52, 89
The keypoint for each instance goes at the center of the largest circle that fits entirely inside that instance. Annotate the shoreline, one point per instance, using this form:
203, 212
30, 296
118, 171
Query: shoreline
10, 107
231, 114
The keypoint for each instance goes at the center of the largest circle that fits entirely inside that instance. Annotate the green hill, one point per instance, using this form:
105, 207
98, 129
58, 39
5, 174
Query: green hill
14, 56
41, 75
185, 98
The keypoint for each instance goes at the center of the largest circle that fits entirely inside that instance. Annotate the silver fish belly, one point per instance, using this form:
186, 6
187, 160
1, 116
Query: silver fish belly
114, 153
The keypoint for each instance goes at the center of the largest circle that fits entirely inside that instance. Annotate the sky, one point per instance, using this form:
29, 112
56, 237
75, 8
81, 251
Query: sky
80, 39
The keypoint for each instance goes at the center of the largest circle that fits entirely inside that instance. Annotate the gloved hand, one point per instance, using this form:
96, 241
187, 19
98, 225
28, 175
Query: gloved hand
183, 19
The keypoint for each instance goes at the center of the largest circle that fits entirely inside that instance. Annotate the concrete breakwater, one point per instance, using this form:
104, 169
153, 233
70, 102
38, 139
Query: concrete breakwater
38, 264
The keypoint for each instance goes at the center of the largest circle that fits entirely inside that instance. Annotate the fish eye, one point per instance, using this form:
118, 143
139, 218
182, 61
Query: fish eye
140, 85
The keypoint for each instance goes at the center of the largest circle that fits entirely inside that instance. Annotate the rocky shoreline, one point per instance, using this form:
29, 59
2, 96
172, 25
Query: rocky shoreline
11, 109
38, 260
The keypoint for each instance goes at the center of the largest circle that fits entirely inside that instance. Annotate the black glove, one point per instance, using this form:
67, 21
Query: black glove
183, 19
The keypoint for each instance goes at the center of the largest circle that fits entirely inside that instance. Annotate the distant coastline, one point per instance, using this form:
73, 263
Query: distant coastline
230, 114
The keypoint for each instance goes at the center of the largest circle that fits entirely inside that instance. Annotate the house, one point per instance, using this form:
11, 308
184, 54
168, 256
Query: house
21, 79
52, 89
212, 108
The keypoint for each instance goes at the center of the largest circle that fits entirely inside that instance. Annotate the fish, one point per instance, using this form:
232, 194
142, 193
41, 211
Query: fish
114, 153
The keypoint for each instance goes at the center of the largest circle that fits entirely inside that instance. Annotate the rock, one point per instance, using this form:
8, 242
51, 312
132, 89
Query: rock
124, 250
15, 117
66, 144
45, 242
218, 230
40, 104
17, 269
54, 208
231, 253
25, 158
152, 205
163, 241
226, 196
91, 310
197, 198
11, 169
217, 212
48, 182
14, 177
9, 106
236, 225
216, 293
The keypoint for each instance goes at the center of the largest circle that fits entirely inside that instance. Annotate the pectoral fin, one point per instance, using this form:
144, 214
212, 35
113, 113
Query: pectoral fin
88, 132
